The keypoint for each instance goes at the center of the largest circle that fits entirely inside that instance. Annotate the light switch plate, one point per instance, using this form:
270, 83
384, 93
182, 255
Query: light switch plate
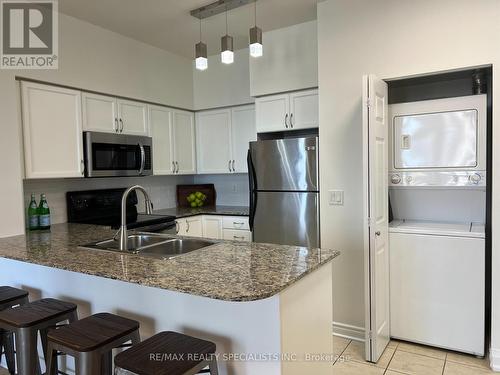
336, 197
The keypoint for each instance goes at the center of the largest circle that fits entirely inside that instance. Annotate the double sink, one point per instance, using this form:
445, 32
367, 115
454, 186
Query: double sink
152, 245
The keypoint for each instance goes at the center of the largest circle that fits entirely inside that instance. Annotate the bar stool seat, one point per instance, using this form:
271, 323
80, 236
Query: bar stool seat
168, 353
25, 321
90, 341
10, 297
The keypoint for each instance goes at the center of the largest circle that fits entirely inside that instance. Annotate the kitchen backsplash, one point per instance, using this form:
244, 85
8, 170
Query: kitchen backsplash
232, 190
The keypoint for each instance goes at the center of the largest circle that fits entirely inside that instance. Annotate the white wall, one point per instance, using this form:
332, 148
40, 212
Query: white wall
232, 189
390, 38
95, 59
161, 189
290, 60
223, 85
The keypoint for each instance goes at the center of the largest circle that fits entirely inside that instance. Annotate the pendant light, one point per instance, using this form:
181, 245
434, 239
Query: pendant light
256, 48
227, 52
201, 61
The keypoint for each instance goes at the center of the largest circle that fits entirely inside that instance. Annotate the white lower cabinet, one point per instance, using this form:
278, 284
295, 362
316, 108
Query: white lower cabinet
234, 228
190, 226
212, 227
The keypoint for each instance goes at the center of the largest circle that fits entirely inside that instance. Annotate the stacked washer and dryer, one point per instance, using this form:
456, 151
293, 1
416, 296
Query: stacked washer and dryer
437, 190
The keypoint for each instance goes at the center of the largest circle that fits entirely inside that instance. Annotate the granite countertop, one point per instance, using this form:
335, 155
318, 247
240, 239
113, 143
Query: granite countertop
227, 270
180, 212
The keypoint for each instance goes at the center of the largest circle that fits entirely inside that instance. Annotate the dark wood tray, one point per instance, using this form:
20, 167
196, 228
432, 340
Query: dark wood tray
184, 190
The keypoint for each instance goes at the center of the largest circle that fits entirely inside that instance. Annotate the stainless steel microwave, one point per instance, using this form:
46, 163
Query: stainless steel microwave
114, 155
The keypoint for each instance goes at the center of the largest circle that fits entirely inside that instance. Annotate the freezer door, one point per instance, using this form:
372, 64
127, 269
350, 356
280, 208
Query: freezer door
285, 164
286, 218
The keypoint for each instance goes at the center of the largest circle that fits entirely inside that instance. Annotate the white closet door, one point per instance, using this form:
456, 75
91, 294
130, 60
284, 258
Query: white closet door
100, 113
160, 122
133, 117
184, 142
304, 109
52, 131
243, 131
272, 113
213, 141
375, 154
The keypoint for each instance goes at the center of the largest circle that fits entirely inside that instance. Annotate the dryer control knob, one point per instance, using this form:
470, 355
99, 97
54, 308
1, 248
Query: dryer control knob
475, 178
395, 179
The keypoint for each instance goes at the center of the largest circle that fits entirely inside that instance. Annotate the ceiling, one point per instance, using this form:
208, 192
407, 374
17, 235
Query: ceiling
167, 24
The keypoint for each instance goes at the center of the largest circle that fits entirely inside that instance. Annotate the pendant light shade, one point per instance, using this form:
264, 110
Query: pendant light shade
201, 56
200, 53
256, 48
227, 52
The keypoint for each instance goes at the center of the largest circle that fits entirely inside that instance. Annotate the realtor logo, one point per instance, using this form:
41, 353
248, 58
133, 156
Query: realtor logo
29, 38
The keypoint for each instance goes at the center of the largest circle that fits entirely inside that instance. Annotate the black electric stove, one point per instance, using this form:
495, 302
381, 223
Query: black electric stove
103, 207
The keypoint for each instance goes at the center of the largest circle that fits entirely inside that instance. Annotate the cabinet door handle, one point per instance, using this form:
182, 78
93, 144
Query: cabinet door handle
176, 227
237, 223
234, 170
121, 127
291, 120
238, 237
83, 167
377, 233
115, 127
229, 165
173, 167
177, 164
286, 119
187, 226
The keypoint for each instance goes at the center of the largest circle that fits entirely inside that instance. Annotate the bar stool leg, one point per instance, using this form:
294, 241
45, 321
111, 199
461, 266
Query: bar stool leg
8, 345
88, 363
26, 343
213, 366
51, 360
107, 363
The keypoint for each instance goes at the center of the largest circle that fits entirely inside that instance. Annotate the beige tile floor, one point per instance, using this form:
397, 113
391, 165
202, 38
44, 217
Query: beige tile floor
405, 358
400, 358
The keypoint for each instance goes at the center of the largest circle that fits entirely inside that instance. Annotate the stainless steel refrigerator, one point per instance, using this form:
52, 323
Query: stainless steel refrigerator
284, 191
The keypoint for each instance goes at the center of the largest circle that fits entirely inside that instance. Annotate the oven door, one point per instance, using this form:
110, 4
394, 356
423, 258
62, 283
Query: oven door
109, 155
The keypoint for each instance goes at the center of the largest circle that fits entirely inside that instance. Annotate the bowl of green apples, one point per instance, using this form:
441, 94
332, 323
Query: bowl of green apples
196, 199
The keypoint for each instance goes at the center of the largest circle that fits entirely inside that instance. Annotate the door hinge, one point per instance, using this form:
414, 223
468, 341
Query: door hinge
368, 103
370, 335
369, 221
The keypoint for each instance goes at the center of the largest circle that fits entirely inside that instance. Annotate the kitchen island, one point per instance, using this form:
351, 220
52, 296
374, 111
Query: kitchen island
267, 307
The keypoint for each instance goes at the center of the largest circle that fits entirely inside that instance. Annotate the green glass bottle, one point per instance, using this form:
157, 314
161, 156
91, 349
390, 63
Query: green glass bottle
44, 213
33, 218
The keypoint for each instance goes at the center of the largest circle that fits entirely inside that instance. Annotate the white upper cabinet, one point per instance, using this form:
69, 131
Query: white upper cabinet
52, 131
304, 109
213, 141
222, 139
133, 117
183, 135
289, 63
272, 112
297, 110
161, 129
243, 131
111, 115
100, 113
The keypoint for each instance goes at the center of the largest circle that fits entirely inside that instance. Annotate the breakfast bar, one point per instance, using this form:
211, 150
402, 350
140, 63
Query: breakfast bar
267, 307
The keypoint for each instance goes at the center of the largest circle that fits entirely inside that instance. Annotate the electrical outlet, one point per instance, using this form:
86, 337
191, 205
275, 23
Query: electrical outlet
336, 197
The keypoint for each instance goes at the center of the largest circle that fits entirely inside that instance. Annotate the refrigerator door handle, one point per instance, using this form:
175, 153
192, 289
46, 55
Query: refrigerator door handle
252, 187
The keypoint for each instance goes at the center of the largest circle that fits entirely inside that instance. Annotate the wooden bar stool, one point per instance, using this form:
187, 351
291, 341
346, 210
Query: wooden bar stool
91, 341
168, 353
10, 297
26, 321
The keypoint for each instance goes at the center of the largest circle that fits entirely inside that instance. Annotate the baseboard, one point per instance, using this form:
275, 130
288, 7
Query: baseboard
349, 331
495, 359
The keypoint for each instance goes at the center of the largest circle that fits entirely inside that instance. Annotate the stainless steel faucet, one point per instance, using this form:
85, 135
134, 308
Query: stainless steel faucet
123, 227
